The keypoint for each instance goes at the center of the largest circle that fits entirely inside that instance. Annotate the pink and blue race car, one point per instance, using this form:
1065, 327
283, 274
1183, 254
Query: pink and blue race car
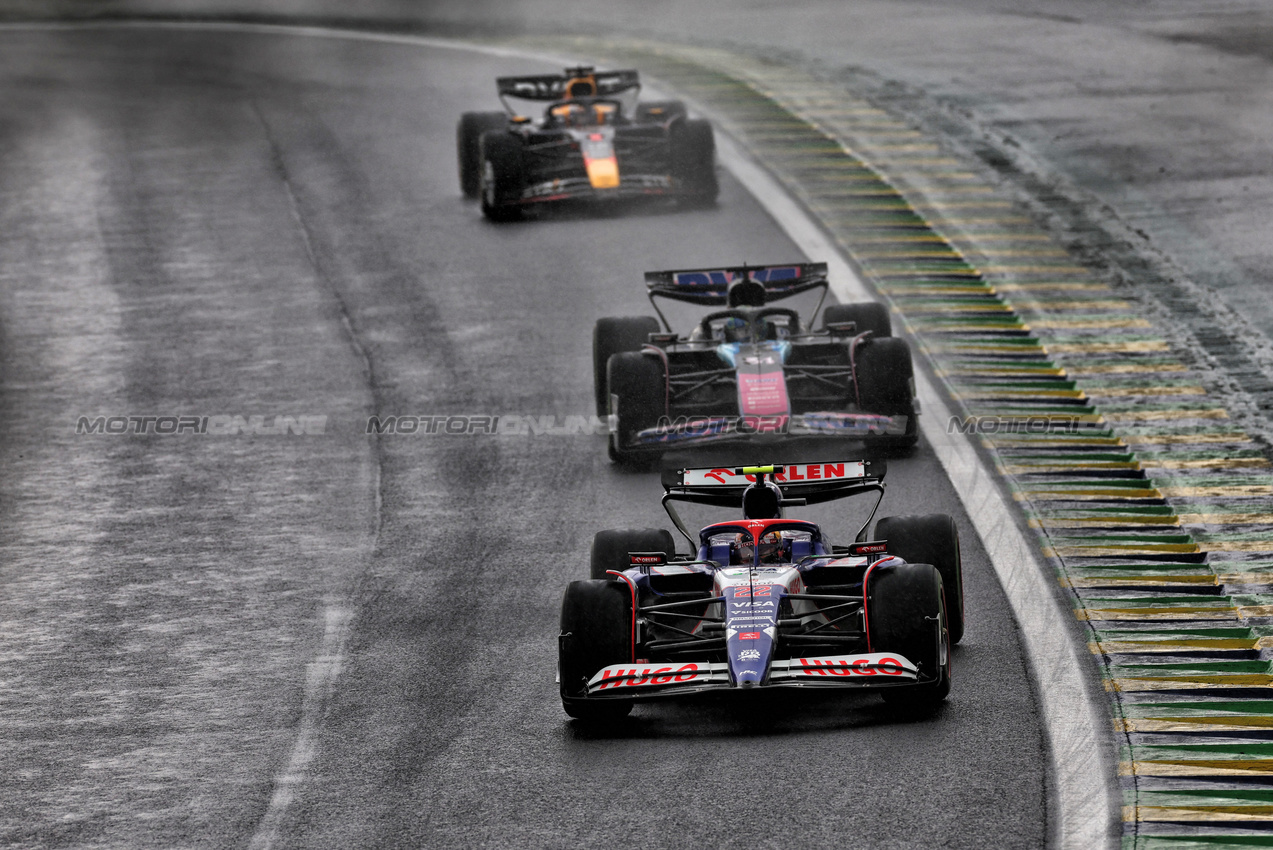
764, 601
750, 370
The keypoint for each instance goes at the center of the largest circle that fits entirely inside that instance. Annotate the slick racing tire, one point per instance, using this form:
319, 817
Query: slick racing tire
885, 379
610, 548
659, 111
596, 631
468, 147
867, 315
905, 614
612, 336
694, 162
638, 397
502, 176
930, 539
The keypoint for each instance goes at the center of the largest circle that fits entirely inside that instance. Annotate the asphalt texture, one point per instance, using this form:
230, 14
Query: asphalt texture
339, 639
1139, 132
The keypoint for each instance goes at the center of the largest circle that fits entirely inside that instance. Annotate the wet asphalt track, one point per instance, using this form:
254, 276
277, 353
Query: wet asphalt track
237, 225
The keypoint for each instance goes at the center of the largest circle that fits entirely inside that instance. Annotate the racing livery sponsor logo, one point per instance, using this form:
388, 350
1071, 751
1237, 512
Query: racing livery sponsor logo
599, 160
722, 277
762, 394
631, 677
867, 548
749, 655
759, 360
793, 473
864, 666
749, 636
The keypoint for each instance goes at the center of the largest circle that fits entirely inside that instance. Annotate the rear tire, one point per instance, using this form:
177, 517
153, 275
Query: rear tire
502, 176
638, 394
906, 615
694, 162
468, 147
610, 548
612, 336
930, 539
886, 384
867, 315
596, 631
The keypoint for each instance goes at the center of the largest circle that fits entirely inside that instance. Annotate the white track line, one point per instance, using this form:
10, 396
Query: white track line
1084, 809
320, 683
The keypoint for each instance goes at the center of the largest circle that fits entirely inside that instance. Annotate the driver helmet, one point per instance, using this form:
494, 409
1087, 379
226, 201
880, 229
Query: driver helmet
773, 548
736, 329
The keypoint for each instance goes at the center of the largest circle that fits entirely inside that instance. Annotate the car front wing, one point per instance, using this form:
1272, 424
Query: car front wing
654, 681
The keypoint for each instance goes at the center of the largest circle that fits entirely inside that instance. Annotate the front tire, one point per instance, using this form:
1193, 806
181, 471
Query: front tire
612, 336
610, 548
468, 147
502, 176
930, 539
906, 615
885, 379
596, 631
694, 162
638, 397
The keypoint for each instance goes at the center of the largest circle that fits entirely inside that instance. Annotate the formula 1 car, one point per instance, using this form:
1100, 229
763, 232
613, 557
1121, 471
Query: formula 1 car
765, 601
595, 141
751, 370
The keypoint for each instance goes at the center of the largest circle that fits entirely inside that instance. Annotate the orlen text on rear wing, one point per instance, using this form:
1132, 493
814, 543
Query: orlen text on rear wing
710, 287
550, 87
797, 484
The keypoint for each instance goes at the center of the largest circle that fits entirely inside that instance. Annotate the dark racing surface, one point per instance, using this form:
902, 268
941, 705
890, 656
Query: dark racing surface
343, 639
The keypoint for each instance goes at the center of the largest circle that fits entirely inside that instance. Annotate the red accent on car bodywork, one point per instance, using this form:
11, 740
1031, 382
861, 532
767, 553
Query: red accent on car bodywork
632, 629
866, 618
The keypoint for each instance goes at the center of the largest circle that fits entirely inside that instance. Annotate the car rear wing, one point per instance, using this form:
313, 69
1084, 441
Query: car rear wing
550, 87
797, 485
710, 287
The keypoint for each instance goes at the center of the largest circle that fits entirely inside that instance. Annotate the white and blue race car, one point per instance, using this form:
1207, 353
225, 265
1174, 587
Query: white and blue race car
764, 601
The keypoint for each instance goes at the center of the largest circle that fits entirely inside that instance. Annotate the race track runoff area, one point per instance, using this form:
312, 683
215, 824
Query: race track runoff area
1154, 509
